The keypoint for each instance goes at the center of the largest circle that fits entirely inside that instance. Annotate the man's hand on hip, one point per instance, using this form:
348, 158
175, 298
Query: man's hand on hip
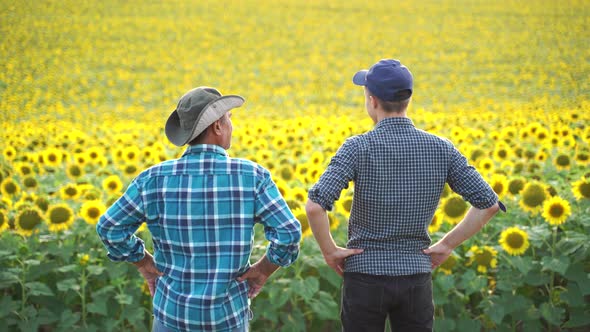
335, 259
147, 267
257, 275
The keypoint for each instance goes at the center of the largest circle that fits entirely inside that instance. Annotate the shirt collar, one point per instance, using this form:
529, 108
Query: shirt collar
395, 121
205, 148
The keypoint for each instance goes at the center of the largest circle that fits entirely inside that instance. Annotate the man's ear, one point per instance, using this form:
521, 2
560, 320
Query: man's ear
373, 101
217, 127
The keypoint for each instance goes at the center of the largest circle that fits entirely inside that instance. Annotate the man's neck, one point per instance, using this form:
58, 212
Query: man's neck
384, 115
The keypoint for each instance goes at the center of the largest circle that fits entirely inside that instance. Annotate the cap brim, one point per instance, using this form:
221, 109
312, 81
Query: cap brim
360, 78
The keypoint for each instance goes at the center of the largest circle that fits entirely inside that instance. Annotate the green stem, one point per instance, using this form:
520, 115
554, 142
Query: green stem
552, 281
83, 282
23, 288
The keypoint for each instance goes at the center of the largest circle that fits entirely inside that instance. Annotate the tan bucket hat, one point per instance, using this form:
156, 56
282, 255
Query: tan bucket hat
197, 110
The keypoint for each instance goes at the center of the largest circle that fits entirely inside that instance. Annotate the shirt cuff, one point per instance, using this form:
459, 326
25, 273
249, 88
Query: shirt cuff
315, 196
130, 254
283, 256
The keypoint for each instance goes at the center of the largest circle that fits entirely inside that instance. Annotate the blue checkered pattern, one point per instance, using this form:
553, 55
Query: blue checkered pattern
399, 173
201, 210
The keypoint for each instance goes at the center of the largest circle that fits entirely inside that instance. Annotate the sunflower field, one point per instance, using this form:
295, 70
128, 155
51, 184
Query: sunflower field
86, 87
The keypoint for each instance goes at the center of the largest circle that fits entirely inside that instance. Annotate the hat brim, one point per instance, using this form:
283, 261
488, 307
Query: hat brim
360, 78
211, 113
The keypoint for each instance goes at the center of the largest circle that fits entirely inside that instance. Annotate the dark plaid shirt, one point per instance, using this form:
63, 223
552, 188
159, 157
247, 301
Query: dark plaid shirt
399, 173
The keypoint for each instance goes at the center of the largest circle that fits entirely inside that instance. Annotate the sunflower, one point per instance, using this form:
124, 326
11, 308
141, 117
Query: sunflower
74, 171
9, 187
27, 220
447, 266
23, 168
27, 198
69, 191
142, 228
502, 153
149, 153
263, 155
499, 184
515, 185
130, 170
302, 217
556, 210
297, 194
59, 217
436, 222
562, 161
9, 153
3, 221
131, 154
541, 156
476, 154
583, 157
301, 170
567, 142
42, 202
84, 259
91, 211
94, 153
345, 205
286, 172
317, 158
112, 184
91, 193
542, 135
313, 173
81, 159
514, 241
532, 197
484, 257
30, 182
486, 165
581, 188
279, 143
454, 208
52, 157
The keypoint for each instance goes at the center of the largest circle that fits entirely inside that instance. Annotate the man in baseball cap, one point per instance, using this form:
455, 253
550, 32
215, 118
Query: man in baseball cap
399, 173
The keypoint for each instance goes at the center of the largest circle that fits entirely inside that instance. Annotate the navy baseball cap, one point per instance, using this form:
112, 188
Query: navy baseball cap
386, 79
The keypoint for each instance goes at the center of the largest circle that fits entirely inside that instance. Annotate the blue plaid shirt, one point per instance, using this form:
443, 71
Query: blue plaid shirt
201, 210
399, 173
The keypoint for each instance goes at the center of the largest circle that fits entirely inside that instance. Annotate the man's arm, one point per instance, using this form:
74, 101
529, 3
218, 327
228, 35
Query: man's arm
320, 226
321, 198
281, 229
116, 229
473, 221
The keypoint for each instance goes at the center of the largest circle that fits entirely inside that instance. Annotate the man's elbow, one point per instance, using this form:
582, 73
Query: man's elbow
312, 208
493, 209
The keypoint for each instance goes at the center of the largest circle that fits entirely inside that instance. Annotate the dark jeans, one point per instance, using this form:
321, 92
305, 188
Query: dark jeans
368, 300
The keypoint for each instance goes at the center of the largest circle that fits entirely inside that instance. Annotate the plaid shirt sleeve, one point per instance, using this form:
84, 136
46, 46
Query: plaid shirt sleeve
281, 228
117, 226
467, 182
337, 176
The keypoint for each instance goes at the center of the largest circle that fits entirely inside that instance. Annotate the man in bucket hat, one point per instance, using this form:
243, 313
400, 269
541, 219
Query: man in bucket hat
201, 210
399, 173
